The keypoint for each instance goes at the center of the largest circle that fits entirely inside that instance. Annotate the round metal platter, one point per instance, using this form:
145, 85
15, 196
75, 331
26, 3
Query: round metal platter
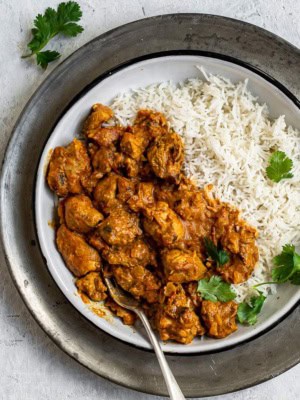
198, 375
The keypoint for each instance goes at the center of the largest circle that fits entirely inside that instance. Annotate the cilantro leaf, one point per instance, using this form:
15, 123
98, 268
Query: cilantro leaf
288, 266
279, 167
69, 12
215, 289
44, 57
71, 29
217, 254
247, 313
63, 21
295, 278
41, 34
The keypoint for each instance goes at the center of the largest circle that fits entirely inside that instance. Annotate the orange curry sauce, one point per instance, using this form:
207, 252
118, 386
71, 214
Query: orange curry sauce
127, 209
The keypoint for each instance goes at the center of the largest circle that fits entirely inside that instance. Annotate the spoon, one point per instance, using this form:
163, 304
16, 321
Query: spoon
128, 302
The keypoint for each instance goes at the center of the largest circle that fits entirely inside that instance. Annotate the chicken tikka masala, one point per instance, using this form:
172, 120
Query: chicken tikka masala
128, 210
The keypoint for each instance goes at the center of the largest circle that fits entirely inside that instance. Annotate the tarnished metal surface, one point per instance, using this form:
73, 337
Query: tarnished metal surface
204, 375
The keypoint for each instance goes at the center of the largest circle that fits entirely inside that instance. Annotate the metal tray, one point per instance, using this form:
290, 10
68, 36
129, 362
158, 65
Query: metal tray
199, 375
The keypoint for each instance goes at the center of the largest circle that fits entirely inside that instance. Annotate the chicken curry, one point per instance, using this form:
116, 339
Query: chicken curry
128, 210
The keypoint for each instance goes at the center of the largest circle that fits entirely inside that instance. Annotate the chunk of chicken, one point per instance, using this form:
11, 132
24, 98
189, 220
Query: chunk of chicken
134, 144
89, 183
175, 318
166, 192
127, 317
237, 270
106, 136
239, 239
131, 166
198, 213
80, 215
78, 255
68, 166
182, 266
166, 155
219, 318
144, 198
152, 122
197, 209
126, 188
98, 115
120, 227
92, 285
138, 281
163, 225
112, 191
105, 193
134, 254
104, 160
174, 193
191, 204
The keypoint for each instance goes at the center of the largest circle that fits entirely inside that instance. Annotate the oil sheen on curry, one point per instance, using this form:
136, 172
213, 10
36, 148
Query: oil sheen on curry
127, 210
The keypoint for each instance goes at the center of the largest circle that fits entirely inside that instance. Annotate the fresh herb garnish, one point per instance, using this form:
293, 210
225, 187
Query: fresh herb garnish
63, 21
247, 313
279, 167
216, 253
215, 289
288, 267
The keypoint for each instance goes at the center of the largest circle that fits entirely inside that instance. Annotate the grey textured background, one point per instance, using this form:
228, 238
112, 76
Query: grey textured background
31, 366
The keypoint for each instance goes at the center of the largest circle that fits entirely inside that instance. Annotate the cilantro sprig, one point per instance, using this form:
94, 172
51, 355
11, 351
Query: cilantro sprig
63, 21
216, 252
287, 267
247, 312
280, 167
214, 289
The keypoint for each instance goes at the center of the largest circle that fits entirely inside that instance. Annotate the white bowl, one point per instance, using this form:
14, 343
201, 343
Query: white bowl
139, 74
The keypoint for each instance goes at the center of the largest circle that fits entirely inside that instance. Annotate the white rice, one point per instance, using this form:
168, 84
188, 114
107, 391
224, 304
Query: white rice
229, 138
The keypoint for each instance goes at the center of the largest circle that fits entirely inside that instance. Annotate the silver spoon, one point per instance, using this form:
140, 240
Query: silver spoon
127, 301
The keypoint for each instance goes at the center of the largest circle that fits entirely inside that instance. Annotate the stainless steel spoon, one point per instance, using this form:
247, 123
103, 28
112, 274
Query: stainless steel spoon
127, 301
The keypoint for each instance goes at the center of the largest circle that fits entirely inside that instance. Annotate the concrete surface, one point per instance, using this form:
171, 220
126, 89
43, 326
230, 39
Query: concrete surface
31, 366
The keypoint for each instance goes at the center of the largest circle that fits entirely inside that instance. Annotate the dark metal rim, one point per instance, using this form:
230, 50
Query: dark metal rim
10, 145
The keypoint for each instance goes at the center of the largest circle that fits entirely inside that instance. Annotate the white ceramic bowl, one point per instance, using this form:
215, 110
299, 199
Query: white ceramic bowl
139, 74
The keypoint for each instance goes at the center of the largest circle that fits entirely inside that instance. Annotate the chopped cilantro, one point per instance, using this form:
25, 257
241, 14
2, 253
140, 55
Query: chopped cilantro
247, 313
216, 253
215, 289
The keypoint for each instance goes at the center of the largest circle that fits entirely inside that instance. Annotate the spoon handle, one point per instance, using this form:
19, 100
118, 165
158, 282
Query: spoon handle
173, 388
